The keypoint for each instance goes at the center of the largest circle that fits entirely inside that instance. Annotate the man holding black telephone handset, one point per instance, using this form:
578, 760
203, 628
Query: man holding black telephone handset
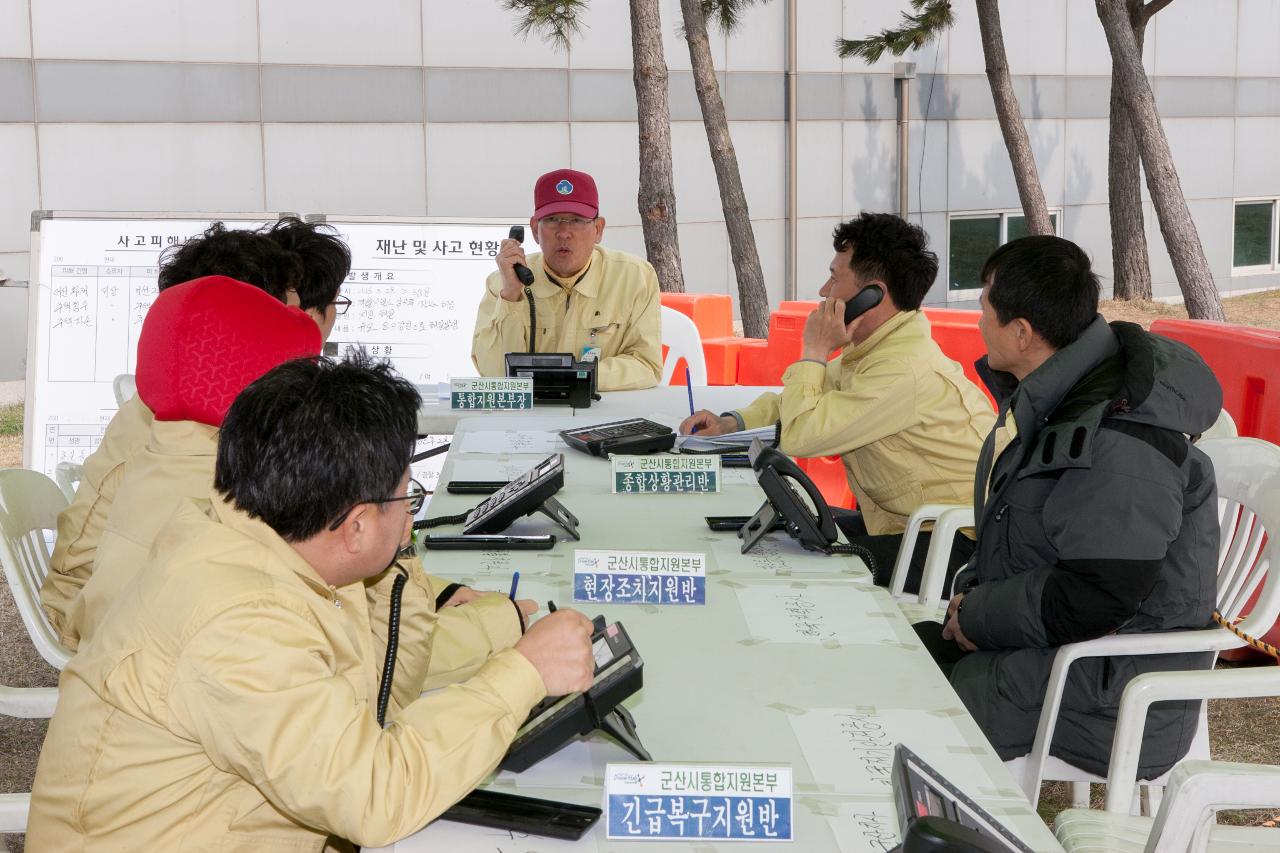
576, 296
902, 416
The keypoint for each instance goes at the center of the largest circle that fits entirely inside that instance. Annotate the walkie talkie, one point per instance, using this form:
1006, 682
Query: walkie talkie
522, 272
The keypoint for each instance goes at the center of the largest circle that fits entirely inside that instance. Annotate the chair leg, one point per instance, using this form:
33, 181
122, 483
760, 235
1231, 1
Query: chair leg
1080, 795
1152, 794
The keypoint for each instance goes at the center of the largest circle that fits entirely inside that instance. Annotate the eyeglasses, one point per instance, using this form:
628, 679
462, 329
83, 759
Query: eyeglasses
340, 305
416, 496
574, 222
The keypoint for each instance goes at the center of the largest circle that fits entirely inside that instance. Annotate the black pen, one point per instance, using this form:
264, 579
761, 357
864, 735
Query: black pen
551, 606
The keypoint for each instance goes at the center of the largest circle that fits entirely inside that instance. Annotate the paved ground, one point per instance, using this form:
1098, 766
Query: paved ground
12, 392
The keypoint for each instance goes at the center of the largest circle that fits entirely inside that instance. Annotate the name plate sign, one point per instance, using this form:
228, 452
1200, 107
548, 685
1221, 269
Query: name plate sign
639, 577
697, 801
479, 392
667, 473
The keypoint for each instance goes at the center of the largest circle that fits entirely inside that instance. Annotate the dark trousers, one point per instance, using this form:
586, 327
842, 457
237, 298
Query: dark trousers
885, 550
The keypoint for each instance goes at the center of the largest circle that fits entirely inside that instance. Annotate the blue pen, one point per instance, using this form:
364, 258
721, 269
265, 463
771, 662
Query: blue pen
515, 581
688, 384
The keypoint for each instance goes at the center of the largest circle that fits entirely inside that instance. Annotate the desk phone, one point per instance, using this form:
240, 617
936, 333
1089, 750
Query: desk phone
636, 436
529, 493
557, 720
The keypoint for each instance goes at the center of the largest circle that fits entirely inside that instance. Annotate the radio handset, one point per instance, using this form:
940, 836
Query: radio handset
862, 302
525, 275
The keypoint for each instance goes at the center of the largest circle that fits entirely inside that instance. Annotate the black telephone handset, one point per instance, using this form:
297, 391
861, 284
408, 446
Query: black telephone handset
522, 272
556, 721
862, 302
775, 472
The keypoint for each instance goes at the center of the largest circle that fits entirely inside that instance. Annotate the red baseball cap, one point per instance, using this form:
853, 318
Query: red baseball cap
204, 341
566, 191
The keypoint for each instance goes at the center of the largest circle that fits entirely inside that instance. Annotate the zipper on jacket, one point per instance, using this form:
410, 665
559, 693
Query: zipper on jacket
333, 591
1000, 512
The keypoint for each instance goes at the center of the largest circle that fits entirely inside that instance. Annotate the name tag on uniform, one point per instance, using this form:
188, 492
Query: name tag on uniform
640, 577
698, 801
478, 392
666, 474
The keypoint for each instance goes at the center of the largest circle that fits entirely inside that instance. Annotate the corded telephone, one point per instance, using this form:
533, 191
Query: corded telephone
862, 302
557, 720
775, 472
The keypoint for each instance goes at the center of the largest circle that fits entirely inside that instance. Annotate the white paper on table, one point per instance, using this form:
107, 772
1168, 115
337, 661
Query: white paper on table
867, 827
813, 615
571, 767
494, 469
465, 838
777, 554
851, 749
511, 441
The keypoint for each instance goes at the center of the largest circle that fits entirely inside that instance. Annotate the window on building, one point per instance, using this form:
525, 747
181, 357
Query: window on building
974, 238
1255, 235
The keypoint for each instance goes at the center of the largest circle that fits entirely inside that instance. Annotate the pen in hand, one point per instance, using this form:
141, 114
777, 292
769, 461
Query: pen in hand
688, 384
515, 581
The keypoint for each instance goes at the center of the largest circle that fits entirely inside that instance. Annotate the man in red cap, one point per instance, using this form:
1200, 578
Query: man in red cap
584, 299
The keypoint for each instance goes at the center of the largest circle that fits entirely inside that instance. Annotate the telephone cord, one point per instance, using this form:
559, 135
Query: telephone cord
393, 645
856, 551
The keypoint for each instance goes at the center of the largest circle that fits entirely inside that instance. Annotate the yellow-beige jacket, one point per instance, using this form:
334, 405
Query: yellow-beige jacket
903, 417
614, 307
227, 702
80, 524
176, 462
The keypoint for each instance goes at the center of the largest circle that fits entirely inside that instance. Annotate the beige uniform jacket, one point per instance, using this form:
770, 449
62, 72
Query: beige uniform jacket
80, 524
903, 417
614, 307
176, 462
227, 702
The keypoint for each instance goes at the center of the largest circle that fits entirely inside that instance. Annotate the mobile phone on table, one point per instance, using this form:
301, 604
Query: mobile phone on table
734, 523
547, 818
489, 542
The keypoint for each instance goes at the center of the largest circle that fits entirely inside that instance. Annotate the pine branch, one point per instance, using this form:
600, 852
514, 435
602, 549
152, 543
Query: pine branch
727, 14
915, 31
555, 20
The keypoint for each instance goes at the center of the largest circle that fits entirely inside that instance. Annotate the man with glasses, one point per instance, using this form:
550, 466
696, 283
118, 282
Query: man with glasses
585, 299
229, 698
326, 262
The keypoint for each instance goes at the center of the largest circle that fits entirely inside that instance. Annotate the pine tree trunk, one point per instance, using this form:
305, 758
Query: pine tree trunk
657, 197
1025, 174
753, 298
1130, 262
1180, 236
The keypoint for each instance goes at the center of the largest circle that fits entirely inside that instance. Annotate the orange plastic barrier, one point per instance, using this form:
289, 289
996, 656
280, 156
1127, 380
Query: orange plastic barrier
712, 313
752, 363
827, 473
722, 358
1246, 361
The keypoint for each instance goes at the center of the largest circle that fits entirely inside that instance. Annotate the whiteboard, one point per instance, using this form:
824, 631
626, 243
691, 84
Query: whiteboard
93, 277
415, 286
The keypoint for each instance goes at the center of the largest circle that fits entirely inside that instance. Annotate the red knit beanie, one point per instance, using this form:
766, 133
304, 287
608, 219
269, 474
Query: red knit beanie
205, 340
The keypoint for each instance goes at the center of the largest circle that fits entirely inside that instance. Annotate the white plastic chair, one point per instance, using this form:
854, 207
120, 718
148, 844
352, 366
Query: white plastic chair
14, 809
1223, 427
68, 475
124, 387
948, 519
682, 340
29, 505
1185, 821
1248, 475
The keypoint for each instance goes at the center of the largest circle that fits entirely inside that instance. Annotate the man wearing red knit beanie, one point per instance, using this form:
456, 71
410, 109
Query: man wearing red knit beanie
201, 344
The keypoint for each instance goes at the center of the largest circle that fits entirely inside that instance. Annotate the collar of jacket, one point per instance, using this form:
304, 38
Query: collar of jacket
261, 533
183, 438
1038, 395
913, 324
544, 288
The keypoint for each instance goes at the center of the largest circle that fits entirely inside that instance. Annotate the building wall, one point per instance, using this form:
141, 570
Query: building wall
428, 107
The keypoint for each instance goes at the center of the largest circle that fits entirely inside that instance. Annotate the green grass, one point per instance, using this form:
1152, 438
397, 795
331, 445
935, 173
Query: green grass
11, 419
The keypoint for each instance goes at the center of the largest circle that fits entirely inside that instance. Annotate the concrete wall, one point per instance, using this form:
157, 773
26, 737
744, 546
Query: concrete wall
413, 107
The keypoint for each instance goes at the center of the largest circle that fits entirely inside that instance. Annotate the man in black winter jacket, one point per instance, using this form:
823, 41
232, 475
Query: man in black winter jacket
1095, 512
